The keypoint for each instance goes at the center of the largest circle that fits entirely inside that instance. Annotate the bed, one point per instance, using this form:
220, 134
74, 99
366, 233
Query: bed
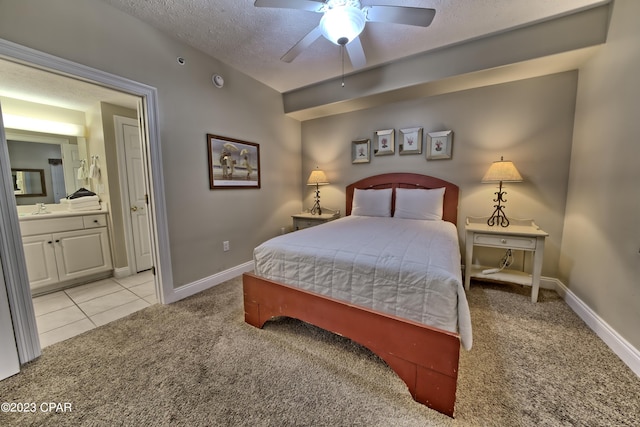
340, 277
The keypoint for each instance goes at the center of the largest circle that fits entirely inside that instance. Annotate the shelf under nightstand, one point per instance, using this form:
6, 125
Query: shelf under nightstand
522, 235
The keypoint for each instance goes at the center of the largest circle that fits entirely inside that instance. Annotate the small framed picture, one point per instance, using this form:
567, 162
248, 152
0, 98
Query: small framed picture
385, 143
410, 141
439, 145
233, 163
361, 151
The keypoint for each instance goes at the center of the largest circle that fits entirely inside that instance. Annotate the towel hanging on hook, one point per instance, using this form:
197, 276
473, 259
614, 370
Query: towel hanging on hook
94, 169
82, 170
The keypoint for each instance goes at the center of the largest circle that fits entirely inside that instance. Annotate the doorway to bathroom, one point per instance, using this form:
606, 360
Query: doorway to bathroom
62, 308
11, 253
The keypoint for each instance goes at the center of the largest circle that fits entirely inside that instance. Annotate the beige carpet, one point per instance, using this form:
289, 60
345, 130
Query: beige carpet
196, 363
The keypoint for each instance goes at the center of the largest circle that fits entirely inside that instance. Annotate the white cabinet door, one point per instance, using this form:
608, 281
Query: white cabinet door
41, 260
57, 257
82, 252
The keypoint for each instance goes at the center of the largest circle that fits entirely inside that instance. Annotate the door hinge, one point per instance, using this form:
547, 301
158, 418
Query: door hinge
146, 199
153, 270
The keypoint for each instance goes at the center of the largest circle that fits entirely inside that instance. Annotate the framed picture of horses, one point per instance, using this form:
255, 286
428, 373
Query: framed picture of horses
233, 163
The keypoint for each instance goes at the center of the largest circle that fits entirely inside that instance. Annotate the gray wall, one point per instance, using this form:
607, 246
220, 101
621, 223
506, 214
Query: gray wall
600, 259
95, 34
529, 122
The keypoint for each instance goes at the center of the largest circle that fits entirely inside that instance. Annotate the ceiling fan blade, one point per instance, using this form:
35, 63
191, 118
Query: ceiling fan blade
304, 43
417, 16
356, 53
310, 5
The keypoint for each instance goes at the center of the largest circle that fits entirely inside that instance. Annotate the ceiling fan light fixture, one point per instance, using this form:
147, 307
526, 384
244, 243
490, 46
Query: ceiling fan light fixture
343, 22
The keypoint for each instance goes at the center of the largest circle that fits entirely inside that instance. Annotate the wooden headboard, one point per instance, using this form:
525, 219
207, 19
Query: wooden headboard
409, 180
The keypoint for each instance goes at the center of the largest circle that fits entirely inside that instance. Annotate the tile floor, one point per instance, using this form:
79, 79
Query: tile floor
64, 314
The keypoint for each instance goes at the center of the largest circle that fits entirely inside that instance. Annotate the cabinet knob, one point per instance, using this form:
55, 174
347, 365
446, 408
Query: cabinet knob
57, 240
49, 242
95, 220
503, 240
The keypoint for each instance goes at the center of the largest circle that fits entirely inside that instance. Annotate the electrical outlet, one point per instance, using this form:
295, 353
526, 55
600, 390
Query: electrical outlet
225, 245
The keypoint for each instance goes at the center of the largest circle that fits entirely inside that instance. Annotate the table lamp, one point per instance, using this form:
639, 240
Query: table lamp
317, 178
501, 171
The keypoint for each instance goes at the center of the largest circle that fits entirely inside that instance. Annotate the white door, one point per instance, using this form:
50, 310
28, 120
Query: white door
137, 194
71, 164
57, 182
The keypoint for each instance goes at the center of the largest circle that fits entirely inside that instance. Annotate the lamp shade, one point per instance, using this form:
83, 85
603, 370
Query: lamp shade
317, 177
342, 24
502, 171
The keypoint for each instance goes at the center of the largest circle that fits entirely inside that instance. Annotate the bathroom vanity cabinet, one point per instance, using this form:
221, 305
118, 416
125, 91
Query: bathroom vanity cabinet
64, 250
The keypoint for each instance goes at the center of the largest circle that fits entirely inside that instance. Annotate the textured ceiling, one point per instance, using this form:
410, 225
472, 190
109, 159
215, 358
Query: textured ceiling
253, 40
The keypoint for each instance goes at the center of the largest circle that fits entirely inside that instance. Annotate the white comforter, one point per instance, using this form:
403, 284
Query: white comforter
404, 267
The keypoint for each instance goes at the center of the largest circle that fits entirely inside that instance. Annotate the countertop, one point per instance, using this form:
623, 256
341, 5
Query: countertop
25, 213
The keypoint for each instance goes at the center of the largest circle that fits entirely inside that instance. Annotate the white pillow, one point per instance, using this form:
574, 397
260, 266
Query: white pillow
371, 202
419, 204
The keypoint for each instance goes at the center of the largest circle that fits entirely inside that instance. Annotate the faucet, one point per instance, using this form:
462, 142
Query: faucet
41, 208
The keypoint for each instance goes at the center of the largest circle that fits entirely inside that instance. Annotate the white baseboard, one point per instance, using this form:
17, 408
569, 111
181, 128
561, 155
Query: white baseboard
548, 283
621, 347
119, 273
193, 288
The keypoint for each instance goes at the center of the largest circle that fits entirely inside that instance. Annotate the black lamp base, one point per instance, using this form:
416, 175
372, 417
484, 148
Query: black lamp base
316, 209
498, 217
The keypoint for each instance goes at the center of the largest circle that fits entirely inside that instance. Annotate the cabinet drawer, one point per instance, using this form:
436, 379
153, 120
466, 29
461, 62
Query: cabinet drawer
302, 223
53, 225
512, 242
92, 221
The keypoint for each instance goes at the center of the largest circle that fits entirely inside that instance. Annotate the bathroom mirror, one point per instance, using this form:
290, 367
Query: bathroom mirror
28, 182
57, 155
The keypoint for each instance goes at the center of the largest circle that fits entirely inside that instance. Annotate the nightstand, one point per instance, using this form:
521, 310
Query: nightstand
306, 220
521, 234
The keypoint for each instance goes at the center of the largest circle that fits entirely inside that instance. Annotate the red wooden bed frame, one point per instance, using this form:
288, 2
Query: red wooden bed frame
424, 357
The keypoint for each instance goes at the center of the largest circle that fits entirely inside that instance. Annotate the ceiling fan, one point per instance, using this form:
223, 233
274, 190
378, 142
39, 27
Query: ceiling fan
343, 20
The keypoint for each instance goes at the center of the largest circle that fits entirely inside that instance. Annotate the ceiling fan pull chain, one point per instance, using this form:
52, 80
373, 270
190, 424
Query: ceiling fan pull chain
343, 42
342, 52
